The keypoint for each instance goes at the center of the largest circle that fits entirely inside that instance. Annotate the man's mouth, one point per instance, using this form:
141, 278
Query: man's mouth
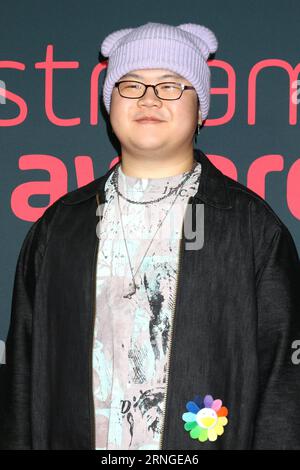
148, 121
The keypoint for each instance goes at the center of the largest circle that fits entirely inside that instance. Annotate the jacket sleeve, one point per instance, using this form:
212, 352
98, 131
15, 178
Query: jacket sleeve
15, 374
277, 424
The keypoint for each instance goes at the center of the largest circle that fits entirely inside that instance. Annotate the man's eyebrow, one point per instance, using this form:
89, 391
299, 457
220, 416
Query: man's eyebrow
168, 75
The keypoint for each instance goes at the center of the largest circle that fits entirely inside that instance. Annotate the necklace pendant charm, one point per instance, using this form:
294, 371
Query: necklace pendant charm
132, 290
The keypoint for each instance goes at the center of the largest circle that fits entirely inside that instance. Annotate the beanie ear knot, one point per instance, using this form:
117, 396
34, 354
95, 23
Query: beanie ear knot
111, 40
203, 33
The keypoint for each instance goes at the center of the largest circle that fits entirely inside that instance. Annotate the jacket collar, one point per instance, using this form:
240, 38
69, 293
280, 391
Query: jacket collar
212, 190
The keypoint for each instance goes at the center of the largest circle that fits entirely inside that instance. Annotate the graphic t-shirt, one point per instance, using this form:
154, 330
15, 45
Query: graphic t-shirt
132, 334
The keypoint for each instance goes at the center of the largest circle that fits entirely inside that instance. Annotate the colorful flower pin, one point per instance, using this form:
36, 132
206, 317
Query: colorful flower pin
205, 419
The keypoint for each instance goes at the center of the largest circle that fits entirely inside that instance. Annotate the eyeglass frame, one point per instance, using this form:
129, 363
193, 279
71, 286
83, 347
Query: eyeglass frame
183, 88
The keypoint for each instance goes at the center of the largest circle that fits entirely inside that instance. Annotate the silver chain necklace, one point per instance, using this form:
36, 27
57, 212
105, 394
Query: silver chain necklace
132, 285
114, 180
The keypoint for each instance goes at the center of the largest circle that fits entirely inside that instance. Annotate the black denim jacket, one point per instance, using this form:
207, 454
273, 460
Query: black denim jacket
236, 320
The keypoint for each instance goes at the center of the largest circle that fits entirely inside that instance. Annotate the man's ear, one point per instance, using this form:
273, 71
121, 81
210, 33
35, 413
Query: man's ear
199, 112
198, 105
199, 116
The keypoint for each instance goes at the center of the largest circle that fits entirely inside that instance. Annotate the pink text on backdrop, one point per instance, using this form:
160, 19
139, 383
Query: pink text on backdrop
49, 65
57, 184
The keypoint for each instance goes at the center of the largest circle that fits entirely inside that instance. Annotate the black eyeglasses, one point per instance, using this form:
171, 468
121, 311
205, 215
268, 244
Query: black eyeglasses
165, 90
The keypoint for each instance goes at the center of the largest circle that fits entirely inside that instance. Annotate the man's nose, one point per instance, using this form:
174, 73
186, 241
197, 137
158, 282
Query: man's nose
150, 93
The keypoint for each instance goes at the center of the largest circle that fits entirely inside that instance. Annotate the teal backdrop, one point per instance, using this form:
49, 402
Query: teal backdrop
55, 135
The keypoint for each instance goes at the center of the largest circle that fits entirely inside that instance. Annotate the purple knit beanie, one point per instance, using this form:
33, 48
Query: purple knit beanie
183, 49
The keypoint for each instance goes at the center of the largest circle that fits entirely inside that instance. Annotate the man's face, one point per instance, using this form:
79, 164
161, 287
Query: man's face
179, 117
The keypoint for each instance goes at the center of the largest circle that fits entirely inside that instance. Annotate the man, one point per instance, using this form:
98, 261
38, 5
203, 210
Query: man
124, 339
